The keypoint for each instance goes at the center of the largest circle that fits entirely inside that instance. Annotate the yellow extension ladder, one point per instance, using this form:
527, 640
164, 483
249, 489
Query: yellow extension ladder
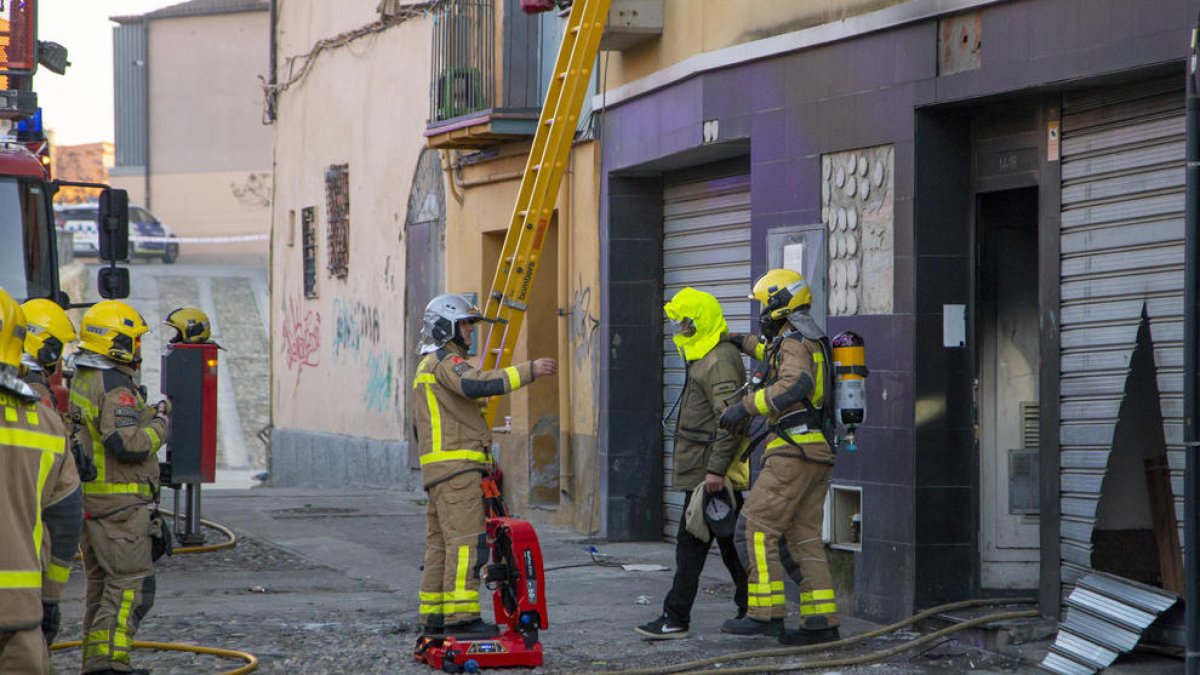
508, 299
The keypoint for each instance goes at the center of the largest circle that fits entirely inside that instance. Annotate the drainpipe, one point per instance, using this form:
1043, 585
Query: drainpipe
566, 454
1191, 411
146, 107
272, 59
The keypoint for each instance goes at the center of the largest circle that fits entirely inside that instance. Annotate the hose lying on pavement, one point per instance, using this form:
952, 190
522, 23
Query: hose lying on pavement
250, 659
700, 664
230, 542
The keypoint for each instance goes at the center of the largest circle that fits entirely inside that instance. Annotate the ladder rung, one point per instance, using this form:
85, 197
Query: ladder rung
574, 30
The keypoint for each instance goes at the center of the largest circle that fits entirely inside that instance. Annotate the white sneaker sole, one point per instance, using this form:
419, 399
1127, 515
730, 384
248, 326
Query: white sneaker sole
661, 636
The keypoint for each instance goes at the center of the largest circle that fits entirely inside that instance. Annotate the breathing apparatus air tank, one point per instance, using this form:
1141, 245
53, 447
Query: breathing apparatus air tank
850, 383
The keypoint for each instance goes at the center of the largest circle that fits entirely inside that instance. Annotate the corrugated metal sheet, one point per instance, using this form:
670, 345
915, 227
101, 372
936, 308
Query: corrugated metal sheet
129, 94
706, 245
1105, 616
1122, 247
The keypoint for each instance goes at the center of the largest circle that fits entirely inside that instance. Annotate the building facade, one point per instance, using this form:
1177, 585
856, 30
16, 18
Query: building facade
991, 194
190, 141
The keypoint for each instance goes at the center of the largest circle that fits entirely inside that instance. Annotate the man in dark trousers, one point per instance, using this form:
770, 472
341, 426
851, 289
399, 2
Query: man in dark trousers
705, 455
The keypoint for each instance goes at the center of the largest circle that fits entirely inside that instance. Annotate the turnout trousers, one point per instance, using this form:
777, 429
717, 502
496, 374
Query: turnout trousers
24, 651
779, 533
455, 550
120, 586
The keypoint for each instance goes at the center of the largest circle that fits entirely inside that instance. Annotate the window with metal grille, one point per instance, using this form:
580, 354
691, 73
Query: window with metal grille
463, 58
308, 223
337, 207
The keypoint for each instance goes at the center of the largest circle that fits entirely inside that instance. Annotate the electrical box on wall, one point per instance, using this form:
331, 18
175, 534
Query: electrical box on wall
843, 518
632, 22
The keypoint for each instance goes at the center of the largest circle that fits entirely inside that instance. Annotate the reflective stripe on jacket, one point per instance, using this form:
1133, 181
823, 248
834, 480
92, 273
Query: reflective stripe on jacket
798, 372
40, 509
449, 395
121, 434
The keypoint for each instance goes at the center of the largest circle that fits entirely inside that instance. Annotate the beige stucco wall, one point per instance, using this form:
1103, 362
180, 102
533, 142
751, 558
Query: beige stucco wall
210, 152
338, 359
568, 295
696, 26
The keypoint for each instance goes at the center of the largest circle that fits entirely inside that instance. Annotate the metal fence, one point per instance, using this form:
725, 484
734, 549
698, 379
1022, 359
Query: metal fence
463, 77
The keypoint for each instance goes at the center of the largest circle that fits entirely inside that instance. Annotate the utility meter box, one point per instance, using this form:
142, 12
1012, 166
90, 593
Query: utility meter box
189, 381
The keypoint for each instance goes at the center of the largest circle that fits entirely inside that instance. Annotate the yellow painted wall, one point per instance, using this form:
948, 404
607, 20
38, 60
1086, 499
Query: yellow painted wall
474, 234
338, 359
693, 27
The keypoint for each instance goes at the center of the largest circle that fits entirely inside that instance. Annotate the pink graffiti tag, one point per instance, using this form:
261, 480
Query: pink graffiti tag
301, 337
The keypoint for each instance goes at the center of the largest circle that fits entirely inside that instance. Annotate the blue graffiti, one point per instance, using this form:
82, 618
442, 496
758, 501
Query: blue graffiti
353, 324
380, 384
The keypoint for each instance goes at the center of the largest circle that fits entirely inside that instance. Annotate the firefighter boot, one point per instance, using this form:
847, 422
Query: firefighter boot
809, 636
749, 626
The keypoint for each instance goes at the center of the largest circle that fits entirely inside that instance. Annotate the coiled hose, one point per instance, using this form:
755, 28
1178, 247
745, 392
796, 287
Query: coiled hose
702, 665
230, 542
250, 659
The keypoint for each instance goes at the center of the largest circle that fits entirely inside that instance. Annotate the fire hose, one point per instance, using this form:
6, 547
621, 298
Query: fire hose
702, 665
230, 540
250, 659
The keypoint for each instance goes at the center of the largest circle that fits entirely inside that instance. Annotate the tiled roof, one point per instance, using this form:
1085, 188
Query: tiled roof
198, 8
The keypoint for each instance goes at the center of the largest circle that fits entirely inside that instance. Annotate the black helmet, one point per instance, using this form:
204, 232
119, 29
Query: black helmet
719, 513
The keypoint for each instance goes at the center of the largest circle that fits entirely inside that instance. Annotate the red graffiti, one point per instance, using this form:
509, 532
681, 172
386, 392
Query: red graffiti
301, 336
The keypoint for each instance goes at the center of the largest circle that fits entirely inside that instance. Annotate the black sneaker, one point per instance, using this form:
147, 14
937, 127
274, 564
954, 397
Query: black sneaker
663, 628
748, 626
801, 636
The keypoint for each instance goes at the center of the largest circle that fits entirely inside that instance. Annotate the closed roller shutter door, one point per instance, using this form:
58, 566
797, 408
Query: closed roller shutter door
706, 245
1122, 246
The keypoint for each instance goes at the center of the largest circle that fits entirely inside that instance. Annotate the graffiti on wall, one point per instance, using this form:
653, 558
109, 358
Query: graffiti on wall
381, 388
253, 192
584, 327
301, 336
355, 325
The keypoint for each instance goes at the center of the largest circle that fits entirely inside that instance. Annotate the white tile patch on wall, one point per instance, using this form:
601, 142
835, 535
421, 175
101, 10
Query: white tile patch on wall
857, 208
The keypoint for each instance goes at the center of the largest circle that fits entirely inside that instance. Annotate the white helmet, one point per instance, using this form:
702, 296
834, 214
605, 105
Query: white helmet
442, 315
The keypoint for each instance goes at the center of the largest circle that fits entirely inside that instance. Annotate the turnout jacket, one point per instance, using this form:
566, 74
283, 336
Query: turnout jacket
797, 373
120, 433
447, 407
709, 388
40, 384
40, 510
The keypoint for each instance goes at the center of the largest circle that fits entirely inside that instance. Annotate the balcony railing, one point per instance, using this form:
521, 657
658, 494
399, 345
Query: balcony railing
463, 77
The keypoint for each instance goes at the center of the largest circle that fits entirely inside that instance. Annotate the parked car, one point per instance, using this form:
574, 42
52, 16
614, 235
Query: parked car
80, 220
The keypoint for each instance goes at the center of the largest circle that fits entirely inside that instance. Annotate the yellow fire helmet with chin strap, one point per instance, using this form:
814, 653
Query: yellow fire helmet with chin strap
782, 292
705, 313
12, 332
114, 329
191, 325
49, 330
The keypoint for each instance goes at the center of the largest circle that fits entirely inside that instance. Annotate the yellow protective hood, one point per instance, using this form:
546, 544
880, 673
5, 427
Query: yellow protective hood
705, 312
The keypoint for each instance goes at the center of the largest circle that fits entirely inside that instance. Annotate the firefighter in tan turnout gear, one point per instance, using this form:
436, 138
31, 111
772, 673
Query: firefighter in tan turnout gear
455, 444
40, 510
779, 530
122, 434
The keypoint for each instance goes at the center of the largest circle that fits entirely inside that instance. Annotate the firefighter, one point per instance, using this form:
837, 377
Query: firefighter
779, 530
191, 326
704, 454
122, 434
455, 444
48, 332
41, 509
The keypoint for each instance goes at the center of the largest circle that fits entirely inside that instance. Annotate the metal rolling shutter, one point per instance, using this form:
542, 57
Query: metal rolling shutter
1122, 245
706, 245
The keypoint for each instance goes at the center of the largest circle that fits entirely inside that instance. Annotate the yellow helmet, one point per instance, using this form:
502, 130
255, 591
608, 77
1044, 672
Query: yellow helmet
191, 325
49, 329
12, 331
114, 329
781, 292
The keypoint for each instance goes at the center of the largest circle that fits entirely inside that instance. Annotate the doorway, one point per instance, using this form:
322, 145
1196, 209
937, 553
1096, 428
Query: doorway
1006, 325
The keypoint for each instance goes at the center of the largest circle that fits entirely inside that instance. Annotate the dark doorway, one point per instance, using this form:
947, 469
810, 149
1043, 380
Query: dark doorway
1006, 326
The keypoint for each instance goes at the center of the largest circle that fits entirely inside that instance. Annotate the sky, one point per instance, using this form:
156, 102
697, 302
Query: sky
78, 106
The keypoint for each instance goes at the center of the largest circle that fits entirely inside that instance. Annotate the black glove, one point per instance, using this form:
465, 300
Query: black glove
51, 621
143, 391
83, 464
735, 339
733, 417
